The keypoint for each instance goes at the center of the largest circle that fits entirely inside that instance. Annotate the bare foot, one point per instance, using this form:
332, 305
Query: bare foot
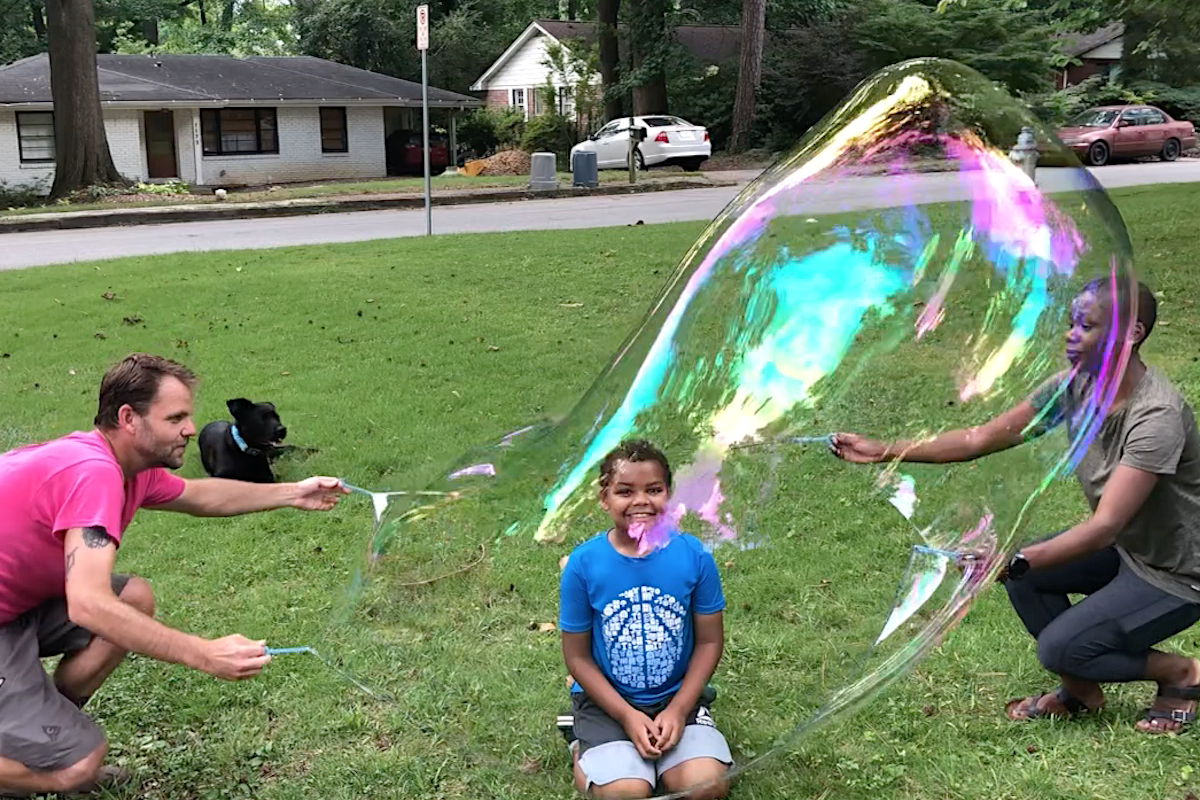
1176, 704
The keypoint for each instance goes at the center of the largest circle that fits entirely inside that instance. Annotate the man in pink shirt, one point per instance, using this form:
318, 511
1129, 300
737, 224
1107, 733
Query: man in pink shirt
66, 505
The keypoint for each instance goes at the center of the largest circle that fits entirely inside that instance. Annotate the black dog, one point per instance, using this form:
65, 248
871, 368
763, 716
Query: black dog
243, 450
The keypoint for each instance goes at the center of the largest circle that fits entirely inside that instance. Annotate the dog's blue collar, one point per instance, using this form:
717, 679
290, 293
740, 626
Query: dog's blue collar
240, 442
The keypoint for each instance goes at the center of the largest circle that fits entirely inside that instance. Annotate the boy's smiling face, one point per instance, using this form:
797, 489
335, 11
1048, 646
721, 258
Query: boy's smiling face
636, 493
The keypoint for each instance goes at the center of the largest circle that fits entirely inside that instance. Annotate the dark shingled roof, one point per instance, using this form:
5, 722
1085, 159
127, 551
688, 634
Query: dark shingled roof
208, 79
709, 44
1077, 44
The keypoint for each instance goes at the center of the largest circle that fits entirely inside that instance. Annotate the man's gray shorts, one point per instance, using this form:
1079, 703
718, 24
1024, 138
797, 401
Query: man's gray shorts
607, 755
39, 727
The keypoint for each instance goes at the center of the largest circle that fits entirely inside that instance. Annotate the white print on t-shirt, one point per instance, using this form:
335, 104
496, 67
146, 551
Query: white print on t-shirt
643, 636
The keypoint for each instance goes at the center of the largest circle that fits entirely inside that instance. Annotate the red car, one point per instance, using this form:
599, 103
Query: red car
1101, 134
406, 154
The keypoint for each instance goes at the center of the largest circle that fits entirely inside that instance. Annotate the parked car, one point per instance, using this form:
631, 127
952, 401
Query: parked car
1101, 134
667, 140
404, 153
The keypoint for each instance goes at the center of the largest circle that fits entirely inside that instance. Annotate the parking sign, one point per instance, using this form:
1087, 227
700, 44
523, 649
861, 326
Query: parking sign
422, 27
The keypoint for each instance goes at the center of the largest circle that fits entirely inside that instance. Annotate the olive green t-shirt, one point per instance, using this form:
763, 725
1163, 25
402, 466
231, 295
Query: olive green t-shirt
1155, 432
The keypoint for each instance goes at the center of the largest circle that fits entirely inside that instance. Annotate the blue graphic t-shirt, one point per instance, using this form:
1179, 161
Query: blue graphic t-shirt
639, 611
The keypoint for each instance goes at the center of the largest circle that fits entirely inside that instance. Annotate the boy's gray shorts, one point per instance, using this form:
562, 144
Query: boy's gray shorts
39, 727
607, 755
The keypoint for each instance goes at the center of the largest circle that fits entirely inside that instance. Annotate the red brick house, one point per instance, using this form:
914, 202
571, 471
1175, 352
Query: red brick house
1096, 53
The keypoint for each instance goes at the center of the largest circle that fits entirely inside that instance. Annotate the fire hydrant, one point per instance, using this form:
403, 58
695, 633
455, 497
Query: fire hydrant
1025, 153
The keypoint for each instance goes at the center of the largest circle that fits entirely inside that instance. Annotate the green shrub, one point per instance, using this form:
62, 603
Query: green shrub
1055, 108
486, 130
549, 133
22, 195
174, 187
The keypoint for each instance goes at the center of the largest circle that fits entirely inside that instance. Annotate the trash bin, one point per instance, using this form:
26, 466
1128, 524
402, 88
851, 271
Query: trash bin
583, 170
542, 172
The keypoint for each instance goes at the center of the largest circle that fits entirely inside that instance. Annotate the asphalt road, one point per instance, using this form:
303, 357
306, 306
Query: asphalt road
37, 248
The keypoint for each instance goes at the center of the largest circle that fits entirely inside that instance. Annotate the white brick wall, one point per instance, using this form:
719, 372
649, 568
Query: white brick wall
124, 129
299, 158
185, 145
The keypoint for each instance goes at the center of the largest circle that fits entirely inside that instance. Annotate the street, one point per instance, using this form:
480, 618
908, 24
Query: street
53, 247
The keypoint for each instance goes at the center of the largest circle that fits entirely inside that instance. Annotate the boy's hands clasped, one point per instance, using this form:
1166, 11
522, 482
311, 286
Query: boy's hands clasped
653, 737
670, 727
643, 732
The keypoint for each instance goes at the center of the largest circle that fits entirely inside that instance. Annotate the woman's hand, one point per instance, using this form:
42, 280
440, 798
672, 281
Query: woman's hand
856, 449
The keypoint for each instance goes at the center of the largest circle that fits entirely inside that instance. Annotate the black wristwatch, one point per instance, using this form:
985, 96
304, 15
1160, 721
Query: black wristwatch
1017, 567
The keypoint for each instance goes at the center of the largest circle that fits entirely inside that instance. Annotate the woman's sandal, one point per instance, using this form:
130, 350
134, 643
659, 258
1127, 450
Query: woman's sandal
1073, 705
1177, 715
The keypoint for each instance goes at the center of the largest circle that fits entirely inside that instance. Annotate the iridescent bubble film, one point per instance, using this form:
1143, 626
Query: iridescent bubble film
897, 275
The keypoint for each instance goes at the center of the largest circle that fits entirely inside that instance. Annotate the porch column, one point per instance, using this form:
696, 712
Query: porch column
453, 141
198, 147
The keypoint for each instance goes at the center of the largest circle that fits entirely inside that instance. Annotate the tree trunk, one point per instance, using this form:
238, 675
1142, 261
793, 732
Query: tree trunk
610, 57
572, 10
150, 30
227, 12
754, 18
82, 157
648, 45
37, 13
203, 15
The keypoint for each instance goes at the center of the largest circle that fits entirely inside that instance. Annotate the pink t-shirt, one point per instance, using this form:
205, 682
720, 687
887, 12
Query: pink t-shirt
48, 488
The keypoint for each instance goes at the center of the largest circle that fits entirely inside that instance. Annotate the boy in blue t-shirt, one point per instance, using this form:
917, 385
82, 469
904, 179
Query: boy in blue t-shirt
642, 635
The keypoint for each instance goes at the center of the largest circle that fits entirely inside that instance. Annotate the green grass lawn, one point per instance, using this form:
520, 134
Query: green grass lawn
391, 358
446, 182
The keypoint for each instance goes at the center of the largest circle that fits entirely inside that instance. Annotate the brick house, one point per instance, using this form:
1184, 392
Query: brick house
515, 77
1096, 53
214, 120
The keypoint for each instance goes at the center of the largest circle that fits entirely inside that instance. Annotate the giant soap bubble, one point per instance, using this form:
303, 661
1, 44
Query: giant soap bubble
896, 274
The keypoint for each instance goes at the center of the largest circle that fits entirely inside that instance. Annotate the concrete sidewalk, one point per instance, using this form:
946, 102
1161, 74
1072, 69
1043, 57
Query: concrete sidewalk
195, 212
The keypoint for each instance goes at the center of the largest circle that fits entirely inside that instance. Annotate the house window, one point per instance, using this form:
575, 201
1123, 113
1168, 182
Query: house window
565, 106
238, 131
35, 136
333, 131
517, 98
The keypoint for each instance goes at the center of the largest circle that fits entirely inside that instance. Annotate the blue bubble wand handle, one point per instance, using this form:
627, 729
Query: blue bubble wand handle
277, 651
358, 489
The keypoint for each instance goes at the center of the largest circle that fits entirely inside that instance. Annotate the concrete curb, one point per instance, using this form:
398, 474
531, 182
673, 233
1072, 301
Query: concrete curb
159, 215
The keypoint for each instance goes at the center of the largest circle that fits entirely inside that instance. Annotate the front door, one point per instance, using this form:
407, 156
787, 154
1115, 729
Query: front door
160, 144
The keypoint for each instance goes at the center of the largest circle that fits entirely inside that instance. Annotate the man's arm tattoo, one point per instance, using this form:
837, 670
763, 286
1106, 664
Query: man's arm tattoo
70, 561
96, 538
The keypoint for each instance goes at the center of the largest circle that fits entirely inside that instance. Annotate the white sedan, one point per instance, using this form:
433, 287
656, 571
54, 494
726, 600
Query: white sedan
668, 140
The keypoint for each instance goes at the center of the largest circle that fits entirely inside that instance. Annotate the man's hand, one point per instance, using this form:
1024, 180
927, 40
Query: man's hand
856, 449
670, 724
643, 732
234, 658
319, 493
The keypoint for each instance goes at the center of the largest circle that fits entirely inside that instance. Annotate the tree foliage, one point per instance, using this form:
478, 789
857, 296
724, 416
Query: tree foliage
814, 51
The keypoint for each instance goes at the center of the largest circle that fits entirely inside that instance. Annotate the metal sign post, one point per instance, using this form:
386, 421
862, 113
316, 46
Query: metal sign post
423, 46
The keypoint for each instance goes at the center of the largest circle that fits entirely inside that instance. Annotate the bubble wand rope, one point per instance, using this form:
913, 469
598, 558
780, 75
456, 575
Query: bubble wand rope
372, 495
387, 698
